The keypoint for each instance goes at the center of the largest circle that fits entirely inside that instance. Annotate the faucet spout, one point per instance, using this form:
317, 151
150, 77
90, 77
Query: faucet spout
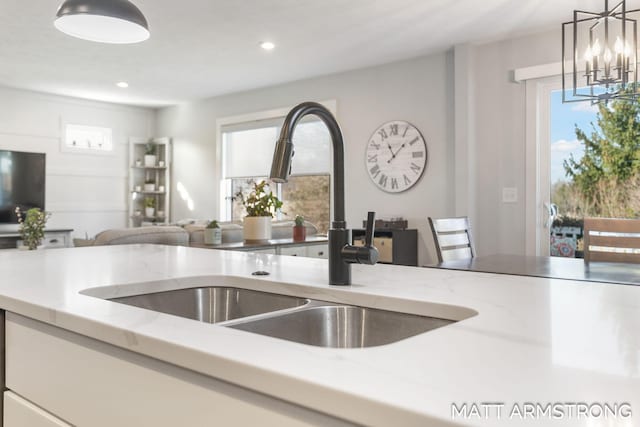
341, 253
281, 166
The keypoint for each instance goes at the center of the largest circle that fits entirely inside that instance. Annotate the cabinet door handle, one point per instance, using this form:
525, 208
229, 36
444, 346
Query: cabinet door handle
53, 241
321, 253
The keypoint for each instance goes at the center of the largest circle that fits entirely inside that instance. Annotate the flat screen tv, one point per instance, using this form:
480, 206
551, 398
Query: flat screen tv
22, 179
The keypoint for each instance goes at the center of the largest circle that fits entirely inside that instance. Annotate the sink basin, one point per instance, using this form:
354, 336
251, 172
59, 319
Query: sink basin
213, 304
342, 326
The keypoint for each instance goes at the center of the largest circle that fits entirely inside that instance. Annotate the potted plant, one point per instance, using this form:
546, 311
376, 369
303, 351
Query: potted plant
260, 205
213, 233
150, 154
149, 207
149, 185
299, 230
32, 226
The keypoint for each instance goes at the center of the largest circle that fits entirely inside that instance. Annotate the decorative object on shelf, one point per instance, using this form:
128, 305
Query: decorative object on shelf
299, 230
389, 224
161, 163
599, 55
32, 226
104, 21
213, 233
396, 156
149, 185
149, 207
260, 205
150, 155
138, 163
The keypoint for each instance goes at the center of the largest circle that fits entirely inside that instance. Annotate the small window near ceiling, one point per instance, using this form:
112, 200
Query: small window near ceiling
90, 138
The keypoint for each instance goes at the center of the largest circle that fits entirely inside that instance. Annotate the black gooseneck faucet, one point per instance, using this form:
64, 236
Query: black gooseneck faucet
341, 253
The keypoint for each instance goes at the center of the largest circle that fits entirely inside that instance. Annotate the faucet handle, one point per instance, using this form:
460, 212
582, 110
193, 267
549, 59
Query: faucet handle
366, 254
371, 226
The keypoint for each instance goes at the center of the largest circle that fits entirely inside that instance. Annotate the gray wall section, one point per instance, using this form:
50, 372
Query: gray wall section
499, 120
418, 91
489, 137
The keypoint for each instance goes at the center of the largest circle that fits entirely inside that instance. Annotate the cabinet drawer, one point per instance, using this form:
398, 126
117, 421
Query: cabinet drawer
91, 383
318, 251
385, 248
293, 251
54, 241
19, 412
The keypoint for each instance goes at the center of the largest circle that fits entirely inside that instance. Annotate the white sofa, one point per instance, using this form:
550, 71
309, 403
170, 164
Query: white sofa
183, 236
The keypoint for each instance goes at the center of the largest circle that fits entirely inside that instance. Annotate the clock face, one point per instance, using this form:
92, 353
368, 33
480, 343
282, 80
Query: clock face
396, 156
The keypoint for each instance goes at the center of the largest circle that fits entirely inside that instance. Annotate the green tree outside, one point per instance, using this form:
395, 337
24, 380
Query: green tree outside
604, 182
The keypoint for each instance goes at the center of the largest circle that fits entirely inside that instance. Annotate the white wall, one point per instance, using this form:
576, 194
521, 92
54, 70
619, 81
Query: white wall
85, 192
498, 128
418, 91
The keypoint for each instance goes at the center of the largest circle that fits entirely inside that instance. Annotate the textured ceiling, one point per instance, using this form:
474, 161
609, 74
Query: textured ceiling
202, 48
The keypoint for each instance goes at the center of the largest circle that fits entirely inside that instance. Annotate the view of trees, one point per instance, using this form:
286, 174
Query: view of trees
605, 181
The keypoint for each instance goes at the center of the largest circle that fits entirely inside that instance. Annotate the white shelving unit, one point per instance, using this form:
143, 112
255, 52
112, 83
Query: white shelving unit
159, 175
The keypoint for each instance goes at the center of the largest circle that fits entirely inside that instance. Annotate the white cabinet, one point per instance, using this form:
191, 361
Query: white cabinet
53, 238
149, 181
310, 251
19, 412
317, 251
293, 251
90, 383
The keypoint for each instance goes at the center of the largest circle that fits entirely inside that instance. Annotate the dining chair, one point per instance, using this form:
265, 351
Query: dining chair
611, 240
452, 237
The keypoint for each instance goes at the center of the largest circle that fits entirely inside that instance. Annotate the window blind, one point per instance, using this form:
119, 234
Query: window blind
247, 148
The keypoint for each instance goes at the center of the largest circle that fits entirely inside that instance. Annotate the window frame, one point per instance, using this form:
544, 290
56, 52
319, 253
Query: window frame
224, 185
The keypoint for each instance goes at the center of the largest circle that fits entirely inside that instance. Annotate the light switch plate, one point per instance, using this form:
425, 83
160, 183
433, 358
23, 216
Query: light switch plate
509, 195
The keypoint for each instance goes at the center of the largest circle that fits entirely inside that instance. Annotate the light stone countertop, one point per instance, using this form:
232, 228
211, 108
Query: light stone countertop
533, 340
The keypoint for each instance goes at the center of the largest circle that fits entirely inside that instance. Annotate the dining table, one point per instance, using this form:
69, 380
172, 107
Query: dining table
549, 267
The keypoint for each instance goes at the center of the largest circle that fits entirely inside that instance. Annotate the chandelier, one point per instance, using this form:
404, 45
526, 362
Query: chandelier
599, 55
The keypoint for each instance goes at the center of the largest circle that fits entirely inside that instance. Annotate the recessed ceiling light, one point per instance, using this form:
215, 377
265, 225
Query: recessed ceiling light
267, 45
110, 21
123, 85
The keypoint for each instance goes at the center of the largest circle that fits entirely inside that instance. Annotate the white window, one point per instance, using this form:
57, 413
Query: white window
81, 137
247, 151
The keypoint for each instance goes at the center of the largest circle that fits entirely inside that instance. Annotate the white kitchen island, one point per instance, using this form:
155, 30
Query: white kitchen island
76, 359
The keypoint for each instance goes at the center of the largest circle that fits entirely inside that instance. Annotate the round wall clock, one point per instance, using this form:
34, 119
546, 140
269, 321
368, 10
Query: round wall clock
396, 156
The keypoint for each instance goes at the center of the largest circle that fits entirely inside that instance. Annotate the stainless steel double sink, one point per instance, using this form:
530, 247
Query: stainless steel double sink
301, 320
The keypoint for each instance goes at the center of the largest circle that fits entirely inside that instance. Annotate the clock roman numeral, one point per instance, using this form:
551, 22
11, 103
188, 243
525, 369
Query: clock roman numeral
415, 168
373, 144
417, 154
407, 181
393, 129
394, 183
375, 171
406, 129
383, 180
383, 134
372, 158
414, 140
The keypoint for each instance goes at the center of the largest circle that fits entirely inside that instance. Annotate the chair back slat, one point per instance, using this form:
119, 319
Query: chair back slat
456, 239
611, 240
448, 225
453, 238
456, 254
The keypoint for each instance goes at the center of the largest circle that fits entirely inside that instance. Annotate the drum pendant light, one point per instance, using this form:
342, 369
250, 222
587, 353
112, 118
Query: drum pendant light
104, 21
